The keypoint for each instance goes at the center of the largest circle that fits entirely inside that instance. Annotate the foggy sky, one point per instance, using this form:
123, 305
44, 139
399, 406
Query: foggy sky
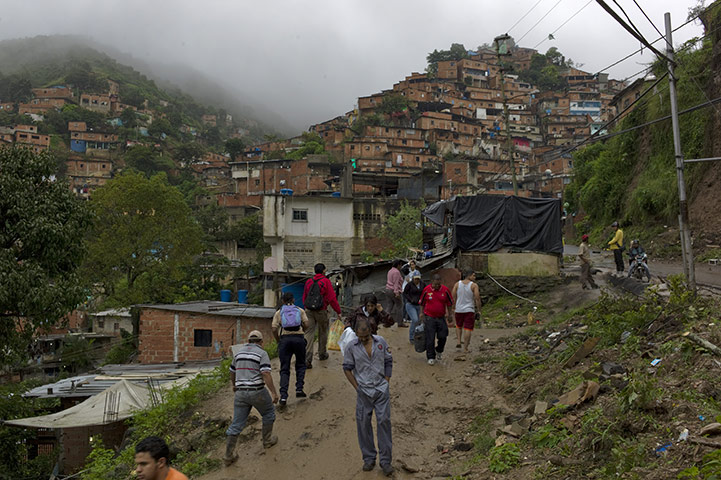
310, 60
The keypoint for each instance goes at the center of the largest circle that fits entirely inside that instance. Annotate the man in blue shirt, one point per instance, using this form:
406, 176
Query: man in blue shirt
368, 365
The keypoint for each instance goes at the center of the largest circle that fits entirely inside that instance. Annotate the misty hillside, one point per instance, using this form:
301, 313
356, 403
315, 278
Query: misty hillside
46, 60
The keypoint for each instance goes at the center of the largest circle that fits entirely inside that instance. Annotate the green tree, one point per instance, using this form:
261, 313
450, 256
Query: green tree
311, 144
456, 52
41, 247
188, 153
234, 147
159, 127
144, 235
393, 103
403, 229
147, 160
129, 118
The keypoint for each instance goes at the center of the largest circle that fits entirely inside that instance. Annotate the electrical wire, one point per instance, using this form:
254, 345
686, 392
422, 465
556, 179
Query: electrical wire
539, 21
690, 20
524, 16
649, 20
564, 23
630, 30
630, 22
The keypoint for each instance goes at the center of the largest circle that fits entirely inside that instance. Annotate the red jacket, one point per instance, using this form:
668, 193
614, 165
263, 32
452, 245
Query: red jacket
326, 289
436, 302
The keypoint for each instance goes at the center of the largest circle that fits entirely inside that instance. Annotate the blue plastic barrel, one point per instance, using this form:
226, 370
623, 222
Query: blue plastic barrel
286, 191
297, 290
225, 295
335, 194
242, 296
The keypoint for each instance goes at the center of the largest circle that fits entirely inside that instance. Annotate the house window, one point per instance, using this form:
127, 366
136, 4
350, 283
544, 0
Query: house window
101, 324
257, 182
116, 326
202, 338
300, 215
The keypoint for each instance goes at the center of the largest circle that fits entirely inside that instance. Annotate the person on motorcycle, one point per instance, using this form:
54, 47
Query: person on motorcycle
637, 255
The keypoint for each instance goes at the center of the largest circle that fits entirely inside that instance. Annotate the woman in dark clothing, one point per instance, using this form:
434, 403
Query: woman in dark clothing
371, 310
412, 296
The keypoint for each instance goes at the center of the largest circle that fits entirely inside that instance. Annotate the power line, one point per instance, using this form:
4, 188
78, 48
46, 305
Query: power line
630, 22
520, 19
649, 20
539, 21
630, 30
564, 23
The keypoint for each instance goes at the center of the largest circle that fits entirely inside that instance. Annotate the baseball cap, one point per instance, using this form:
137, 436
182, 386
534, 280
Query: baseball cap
584, 238
255, 335
416, 275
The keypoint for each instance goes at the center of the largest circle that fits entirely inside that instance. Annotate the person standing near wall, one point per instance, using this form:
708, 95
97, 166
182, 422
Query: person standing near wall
318, 294
616, 246
584, 256
468, 307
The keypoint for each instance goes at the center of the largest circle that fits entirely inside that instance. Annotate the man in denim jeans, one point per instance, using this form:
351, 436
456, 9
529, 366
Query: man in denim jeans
249, 375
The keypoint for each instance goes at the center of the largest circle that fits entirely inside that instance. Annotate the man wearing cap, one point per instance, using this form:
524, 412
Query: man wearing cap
249, 375
616, 245
584, 255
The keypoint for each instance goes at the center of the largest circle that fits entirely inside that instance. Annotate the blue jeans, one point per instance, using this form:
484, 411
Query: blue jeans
414, 313
244, 400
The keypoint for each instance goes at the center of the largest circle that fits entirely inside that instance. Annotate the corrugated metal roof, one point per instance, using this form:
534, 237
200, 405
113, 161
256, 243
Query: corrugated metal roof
89, 385
228, 309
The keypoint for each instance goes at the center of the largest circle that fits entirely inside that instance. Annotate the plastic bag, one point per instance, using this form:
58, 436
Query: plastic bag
336, 330
347, 337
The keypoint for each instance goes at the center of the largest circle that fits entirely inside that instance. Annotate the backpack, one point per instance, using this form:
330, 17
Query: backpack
314, 299
290, 316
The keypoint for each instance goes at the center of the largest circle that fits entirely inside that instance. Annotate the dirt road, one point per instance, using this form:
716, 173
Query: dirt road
318, 435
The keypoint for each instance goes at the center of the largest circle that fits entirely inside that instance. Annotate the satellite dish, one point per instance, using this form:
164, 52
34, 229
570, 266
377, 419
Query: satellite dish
548, 172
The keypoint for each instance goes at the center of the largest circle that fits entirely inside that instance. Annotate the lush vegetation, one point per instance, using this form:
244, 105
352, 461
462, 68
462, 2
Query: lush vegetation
403, 230
14, 441
546, 69
41, 248
632, 176
456, 52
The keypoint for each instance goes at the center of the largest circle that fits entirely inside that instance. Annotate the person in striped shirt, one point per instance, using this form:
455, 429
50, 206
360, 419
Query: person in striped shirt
250, 375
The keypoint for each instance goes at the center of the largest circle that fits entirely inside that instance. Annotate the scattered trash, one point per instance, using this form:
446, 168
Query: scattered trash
711, 429
662, 449
552, 336
587, 390
655, 361
701, 417
583, 351
624, 336
611, 368
540, 408
683, 436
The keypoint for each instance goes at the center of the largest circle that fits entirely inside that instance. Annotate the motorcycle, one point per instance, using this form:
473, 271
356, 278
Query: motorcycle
639, 267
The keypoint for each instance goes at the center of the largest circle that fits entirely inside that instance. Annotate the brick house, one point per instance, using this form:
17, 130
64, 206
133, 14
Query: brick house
195, 331
28, 135
96, 103
53, 92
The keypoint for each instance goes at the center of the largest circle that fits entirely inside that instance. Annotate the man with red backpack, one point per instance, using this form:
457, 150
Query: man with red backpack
317, 295
288, 324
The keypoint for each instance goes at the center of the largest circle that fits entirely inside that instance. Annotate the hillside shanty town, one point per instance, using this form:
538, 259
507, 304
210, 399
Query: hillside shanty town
499, 257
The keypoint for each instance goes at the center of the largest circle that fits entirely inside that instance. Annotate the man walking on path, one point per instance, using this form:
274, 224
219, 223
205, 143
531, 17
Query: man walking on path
584, 255
468, 307
393, 291
368, 365
317, 295
437, 301
249, 375
616, 245
288, 324
152, 461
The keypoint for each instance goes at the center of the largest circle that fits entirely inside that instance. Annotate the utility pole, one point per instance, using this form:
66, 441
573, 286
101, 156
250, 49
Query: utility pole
686, 249
509, 146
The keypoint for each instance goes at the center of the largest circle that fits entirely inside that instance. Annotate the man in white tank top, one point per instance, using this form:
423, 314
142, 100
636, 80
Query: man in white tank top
468, 306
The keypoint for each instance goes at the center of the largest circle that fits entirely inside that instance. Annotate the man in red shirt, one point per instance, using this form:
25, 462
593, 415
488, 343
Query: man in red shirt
317, 295
437, 302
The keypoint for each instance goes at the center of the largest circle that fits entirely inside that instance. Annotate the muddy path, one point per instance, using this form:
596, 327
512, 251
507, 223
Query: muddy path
317, 435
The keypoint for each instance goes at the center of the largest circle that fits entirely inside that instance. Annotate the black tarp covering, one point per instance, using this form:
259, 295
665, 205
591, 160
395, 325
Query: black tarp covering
485, 223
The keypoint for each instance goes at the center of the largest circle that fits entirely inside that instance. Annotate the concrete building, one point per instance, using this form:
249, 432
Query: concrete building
196, 331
